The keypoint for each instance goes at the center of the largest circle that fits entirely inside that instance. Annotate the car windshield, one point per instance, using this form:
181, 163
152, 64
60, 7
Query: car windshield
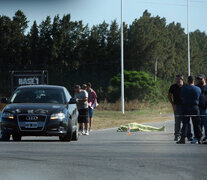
38, 95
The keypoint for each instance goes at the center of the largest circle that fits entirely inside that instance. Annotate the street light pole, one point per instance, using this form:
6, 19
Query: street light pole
156, 69
122, 60
188, 42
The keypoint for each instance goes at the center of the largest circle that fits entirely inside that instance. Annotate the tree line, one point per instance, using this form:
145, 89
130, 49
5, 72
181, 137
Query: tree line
73, 52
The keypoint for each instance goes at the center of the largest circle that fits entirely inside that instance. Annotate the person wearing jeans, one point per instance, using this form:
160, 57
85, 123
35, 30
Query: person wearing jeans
189, 110
203, 103
92, 103
176, 101
178, 113
204, 123
205, 141
190, 106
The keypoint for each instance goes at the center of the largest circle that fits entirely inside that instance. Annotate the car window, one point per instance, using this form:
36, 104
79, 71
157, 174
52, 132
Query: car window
67, 94
38, 95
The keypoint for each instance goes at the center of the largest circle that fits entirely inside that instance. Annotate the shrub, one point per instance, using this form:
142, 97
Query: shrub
138, 85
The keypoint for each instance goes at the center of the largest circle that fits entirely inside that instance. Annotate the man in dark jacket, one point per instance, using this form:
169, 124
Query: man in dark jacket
191, 95
174, 97
203, 102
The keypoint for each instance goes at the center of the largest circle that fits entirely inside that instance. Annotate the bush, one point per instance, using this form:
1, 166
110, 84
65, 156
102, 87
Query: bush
138, 85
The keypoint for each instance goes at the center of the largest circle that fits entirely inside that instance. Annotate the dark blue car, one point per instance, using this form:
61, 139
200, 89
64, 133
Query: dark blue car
41, 110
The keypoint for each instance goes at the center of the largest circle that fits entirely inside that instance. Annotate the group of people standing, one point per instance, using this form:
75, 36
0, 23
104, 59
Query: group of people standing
189, 101
86, 99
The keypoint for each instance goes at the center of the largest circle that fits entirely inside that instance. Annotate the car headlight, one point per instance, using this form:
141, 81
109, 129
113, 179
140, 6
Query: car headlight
57, 116
7, 115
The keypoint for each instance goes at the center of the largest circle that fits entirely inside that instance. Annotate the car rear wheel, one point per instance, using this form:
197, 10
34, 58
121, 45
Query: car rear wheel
16, 137
5, 137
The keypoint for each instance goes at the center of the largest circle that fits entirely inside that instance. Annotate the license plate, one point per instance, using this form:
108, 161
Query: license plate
31, 125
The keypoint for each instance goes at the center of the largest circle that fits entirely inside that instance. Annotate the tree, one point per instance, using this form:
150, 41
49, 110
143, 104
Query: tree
198, 52
5, 42
45, 41
147, 41
113, 44
18, 27
34, 45
78, 53
138, 85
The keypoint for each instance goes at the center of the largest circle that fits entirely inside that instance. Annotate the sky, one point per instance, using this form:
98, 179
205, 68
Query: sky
93, 12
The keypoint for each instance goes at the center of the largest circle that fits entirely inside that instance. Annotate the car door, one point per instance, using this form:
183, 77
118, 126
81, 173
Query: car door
72, 108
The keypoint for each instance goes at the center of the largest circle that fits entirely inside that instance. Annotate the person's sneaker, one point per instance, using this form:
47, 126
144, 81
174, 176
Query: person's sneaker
84, 132
80, 133
180, 141
90, 129
205, 141
176, 138
87, 133
200, 142
194, 141
190, 139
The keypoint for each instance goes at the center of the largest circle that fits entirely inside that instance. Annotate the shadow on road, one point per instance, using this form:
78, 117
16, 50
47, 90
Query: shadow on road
32, 140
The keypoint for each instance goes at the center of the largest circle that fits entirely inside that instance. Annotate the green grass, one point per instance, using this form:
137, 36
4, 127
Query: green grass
108, 119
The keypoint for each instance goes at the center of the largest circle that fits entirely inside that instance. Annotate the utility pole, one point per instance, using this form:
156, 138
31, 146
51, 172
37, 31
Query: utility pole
188, 42
122, 60
156, 69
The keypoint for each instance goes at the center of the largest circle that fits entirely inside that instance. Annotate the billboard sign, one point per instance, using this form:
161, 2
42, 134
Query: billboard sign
22, 78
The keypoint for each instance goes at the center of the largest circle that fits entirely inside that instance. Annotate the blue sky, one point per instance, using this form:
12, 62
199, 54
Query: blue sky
93, 12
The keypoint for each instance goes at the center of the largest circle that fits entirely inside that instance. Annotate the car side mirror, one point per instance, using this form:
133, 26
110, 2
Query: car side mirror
72, 101
4, 100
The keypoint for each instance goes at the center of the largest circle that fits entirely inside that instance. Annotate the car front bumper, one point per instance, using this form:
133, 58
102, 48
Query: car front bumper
50, 128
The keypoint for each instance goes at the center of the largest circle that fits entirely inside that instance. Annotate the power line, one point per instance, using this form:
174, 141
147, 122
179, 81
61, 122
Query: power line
194, 1
174, 4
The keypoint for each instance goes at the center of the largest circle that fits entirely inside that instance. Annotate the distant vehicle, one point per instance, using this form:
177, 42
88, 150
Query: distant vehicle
40, 110
22, 78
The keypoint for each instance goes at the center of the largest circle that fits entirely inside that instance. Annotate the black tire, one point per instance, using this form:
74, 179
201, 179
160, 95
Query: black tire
62, 138
68, 136
5, 137
16, 137
75, 135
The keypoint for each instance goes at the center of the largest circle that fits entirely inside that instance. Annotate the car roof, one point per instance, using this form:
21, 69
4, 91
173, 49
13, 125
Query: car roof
41, 86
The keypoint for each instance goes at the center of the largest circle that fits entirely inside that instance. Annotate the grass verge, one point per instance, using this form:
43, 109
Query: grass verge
109, 119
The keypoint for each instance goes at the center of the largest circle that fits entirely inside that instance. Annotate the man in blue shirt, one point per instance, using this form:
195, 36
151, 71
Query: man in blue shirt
203, 102
191, 95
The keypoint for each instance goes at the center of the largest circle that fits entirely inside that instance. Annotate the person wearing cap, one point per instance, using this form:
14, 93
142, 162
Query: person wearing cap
82, 104
176, 102
190, 106
201, 78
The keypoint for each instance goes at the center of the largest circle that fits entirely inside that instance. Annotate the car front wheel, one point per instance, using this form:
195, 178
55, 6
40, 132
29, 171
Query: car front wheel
16, 137
66, 137
5, 137
75, 135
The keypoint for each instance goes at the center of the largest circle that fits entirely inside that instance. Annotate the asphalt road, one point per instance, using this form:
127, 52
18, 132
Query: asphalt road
106, 155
